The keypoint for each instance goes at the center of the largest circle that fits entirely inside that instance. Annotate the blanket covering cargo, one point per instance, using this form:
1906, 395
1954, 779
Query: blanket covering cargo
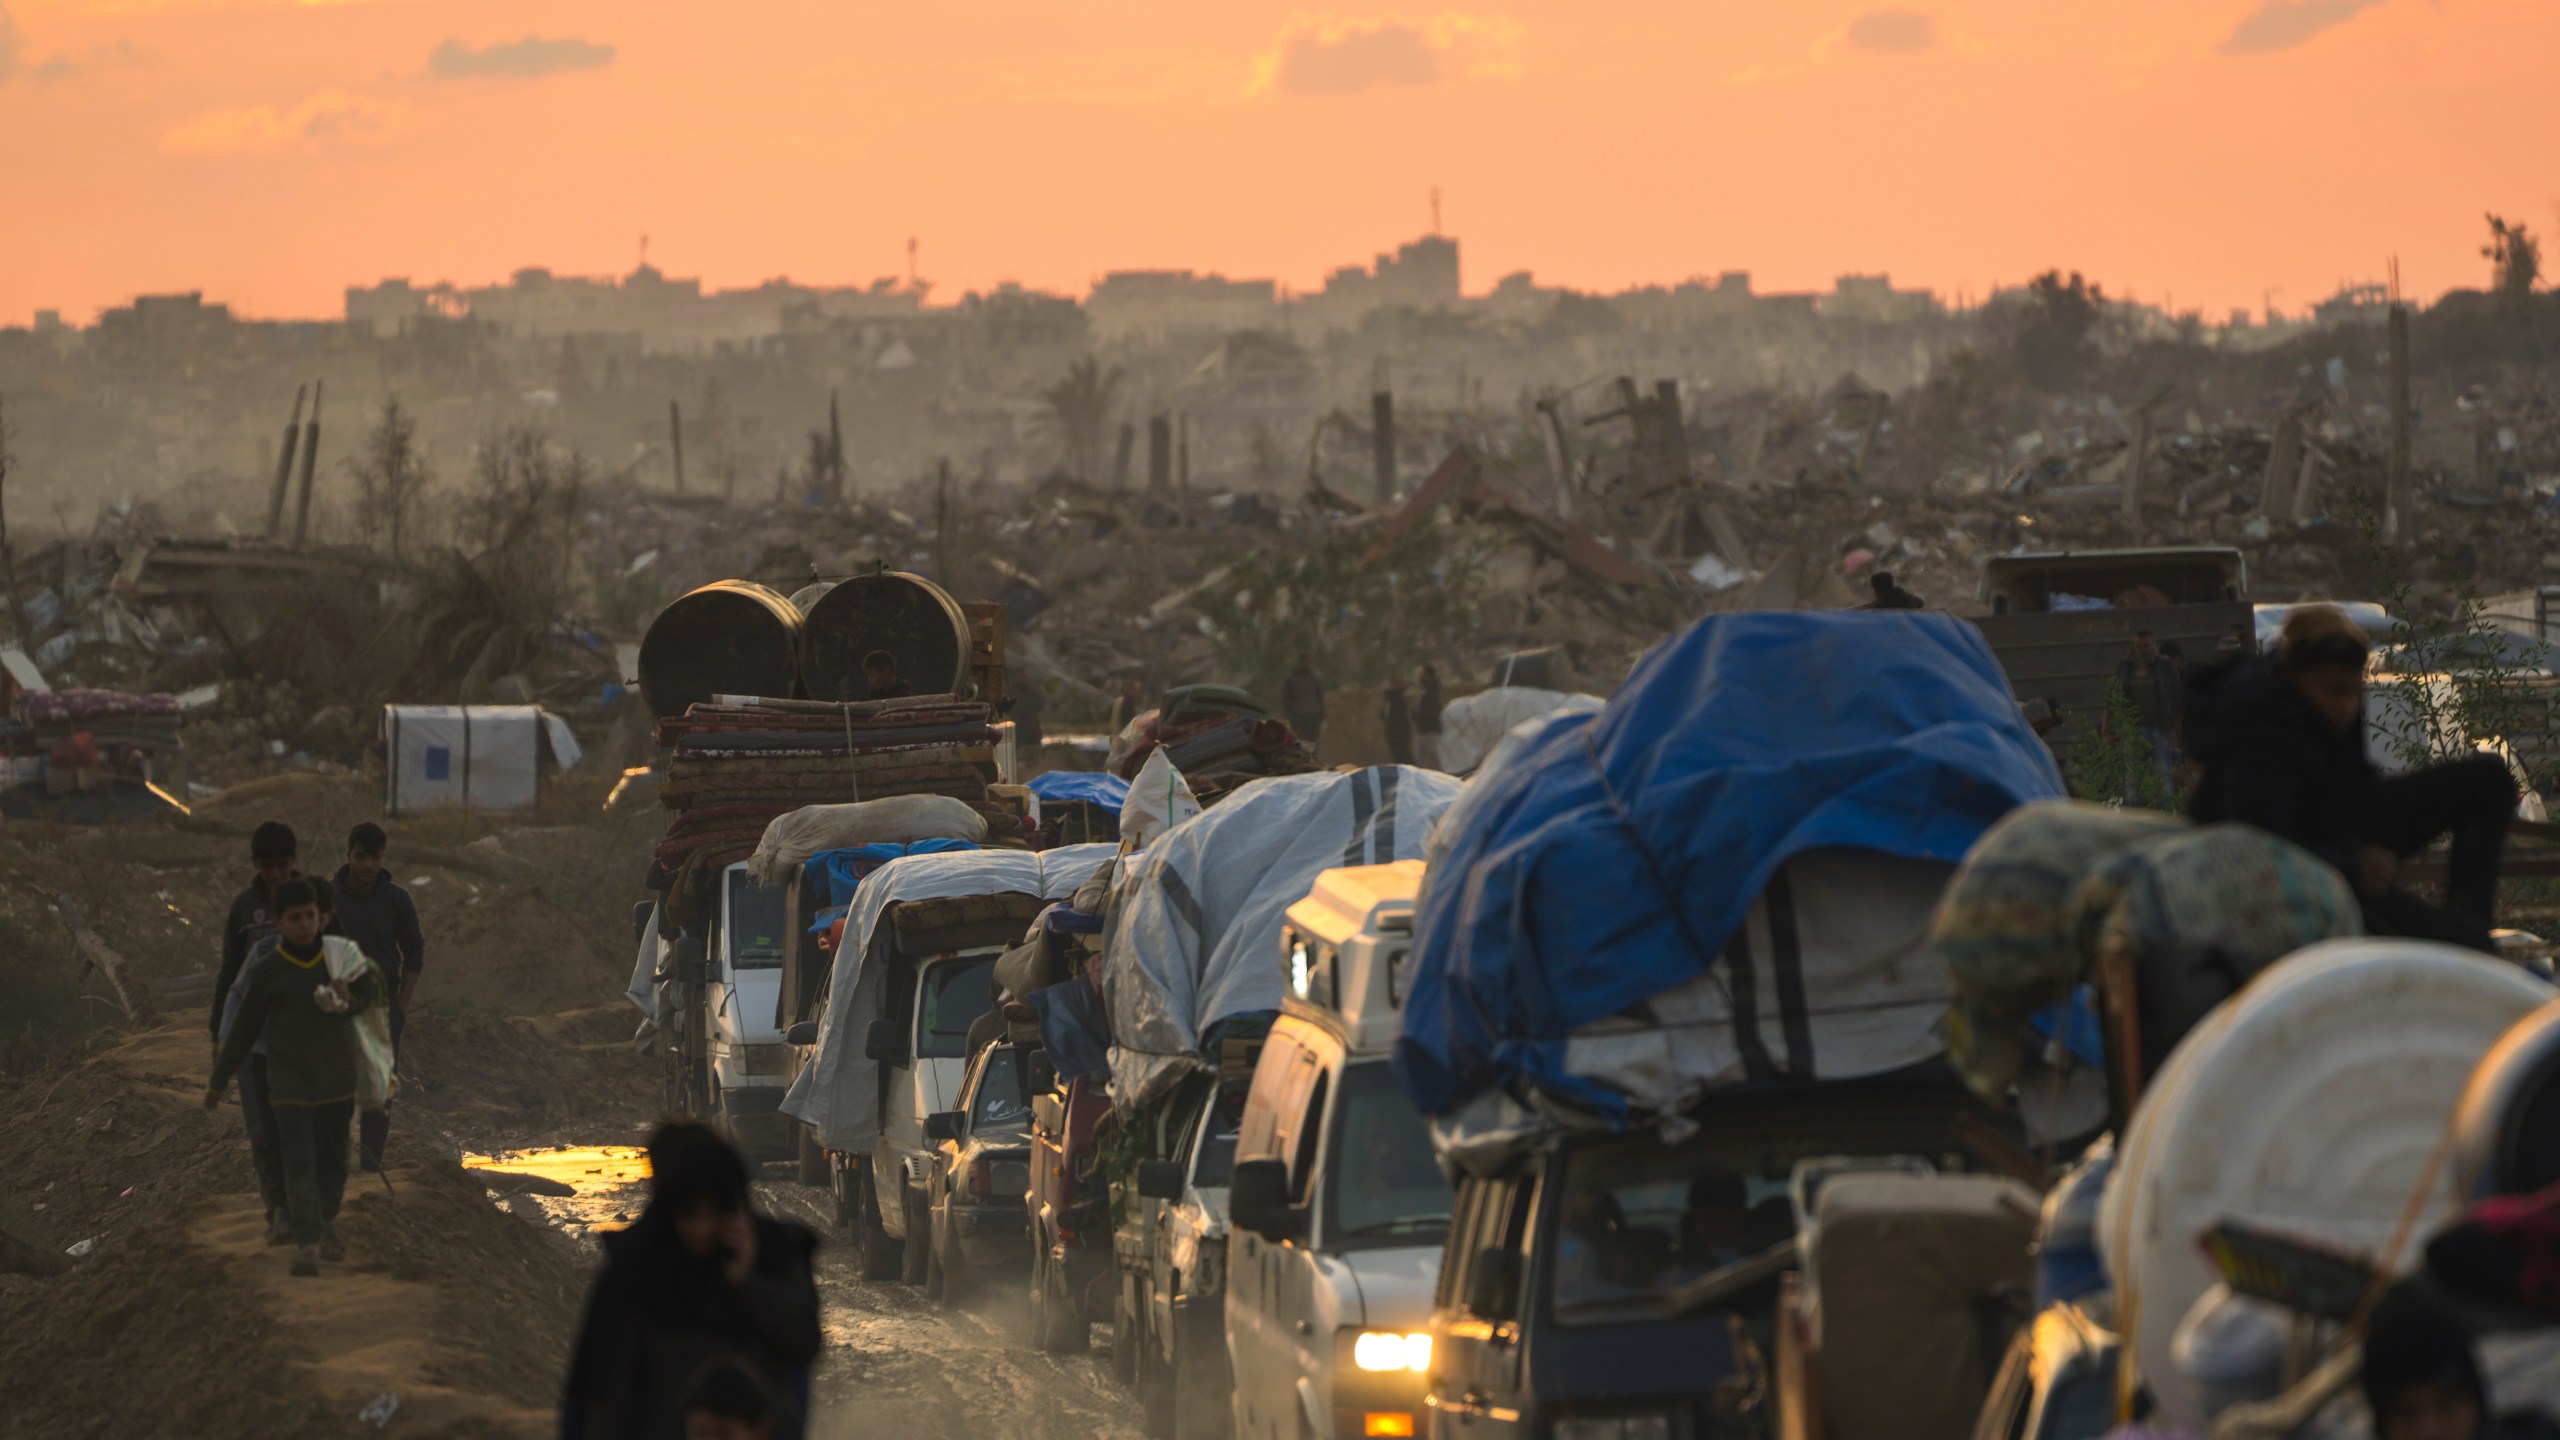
1195, 936
1601, 862
837, 1092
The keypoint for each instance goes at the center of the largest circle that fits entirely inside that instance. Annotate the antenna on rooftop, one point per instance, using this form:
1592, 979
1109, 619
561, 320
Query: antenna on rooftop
1435, 209
644, 250
911, 262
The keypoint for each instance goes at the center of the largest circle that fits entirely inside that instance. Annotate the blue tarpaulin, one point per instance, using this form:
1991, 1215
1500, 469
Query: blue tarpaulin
1073, 1028
834, 874
1094, 787
1611, 857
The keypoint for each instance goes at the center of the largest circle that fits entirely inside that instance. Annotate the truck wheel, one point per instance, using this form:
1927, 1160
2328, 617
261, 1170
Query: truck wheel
1125, 1320
1156, 1382
875, 1249
813, 1158
919, 1242
1052, 1308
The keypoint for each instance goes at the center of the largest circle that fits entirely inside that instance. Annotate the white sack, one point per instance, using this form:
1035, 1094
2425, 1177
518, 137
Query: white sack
1471, 724
791, 839
1159, 799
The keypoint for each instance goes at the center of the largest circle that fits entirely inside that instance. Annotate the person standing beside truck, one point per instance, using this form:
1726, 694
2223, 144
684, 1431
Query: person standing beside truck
307, 1018
2150, 683
1398, 717
382, 919
2281, 742
272, 852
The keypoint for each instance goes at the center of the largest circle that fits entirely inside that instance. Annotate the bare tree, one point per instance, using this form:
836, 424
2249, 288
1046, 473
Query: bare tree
392, 476
2515, 260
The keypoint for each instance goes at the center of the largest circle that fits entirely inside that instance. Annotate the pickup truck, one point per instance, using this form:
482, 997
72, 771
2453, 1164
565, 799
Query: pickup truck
2061, 622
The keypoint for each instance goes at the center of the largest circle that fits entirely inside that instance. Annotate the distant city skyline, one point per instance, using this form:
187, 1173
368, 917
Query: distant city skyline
2204, 154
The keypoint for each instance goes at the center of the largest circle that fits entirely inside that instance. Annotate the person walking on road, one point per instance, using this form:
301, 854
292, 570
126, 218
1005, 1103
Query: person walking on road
1426, 719
2281, 743
1398, 716
699, 1279
382, 919
289, 1000
1302, 701
272, 853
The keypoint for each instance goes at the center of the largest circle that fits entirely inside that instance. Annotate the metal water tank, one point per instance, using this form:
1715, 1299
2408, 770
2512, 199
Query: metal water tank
730, 637
921, 627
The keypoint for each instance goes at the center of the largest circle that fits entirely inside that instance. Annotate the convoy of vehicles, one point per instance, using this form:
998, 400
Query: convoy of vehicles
1169, 1332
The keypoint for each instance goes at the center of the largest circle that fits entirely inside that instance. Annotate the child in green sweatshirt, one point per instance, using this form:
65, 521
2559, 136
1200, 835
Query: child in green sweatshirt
307, 1020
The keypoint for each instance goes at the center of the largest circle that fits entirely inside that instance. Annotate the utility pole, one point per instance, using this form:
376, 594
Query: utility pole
2133, 473
284, 466
310, 463
2396, 522
835, 445
1382, 421
675, 440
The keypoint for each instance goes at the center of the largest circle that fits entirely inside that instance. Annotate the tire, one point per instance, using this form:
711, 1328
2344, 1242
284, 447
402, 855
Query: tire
1156, 1381
1126, 1321
937, 1279
919, 1241
877, 1253
1058, 1325
813, 1159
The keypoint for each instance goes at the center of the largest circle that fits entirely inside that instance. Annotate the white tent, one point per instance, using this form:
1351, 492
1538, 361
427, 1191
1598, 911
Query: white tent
468, 757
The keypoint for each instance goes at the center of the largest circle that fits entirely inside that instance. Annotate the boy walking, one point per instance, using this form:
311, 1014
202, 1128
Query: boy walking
383, 921
307, 1020
272, 852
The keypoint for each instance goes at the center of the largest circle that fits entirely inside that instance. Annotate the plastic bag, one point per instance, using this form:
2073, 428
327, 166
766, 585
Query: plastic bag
1159, 799
377, 1077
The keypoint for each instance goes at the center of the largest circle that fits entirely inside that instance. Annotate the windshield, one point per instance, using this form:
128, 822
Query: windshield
955, 995
1382, 1181
1003, 1100
755, 923
1640, 1218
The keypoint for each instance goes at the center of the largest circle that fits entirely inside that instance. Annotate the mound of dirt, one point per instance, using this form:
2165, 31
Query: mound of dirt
511, 1079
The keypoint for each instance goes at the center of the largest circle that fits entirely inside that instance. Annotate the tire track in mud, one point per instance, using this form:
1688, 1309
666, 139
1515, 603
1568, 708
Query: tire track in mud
900, 1367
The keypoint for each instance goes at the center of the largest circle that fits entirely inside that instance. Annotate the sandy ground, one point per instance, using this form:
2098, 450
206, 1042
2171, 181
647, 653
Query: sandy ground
460, 1291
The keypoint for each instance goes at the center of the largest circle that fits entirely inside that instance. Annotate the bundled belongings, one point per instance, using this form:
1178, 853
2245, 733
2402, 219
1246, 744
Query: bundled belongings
1472, 724
2054, 890
1079, 807
791, 840
1217, 736
892, 916
2315, 1102
1193, 931
1751, 833
99, 730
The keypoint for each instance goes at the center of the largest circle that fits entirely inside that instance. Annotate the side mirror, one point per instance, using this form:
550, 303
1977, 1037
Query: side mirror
1159, 1180
804, 1034
943, 1125
883, 1043
1494, 1289
1258, 1200
640, 914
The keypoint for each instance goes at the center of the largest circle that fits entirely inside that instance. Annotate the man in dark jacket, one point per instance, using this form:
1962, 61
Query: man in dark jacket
272, 852
1426, 719
1302, 701
1889, 595
383, 921
701, 1277
2281, 742
2149, 682
1398, 717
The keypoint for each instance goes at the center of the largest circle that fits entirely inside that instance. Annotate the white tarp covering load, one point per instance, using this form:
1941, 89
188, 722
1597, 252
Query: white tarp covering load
791, 839
1471, 724
467, 757
1831, 977
838, 1090
1195, 936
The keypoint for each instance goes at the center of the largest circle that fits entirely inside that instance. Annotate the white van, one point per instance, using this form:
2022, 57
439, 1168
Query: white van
715, 999
1337, 1207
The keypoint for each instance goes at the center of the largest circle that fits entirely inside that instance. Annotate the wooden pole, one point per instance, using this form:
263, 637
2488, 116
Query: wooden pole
2133, 472
284, 466
1382, 417
2397, 520
1120, 462
2276, 489
675, 440
310, 464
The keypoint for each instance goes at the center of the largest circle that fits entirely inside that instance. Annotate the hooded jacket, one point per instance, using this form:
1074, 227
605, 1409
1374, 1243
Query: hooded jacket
2272, 761
383, 921
658, 1313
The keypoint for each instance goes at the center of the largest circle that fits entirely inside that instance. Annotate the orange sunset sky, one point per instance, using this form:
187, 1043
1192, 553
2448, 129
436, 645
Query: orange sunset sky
2201, 152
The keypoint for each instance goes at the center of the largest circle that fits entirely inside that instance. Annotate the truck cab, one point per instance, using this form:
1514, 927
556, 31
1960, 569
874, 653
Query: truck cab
716, 1008
1338, 1210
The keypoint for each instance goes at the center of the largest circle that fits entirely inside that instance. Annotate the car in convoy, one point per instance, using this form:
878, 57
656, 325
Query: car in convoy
1337, 1207
1169, 1332
981, 1169
1069, 1213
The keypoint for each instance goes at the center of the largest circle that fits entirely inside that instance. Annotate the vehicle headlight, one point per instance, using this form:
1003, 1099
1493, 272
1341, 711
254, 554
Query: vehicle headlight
1381, 1350
1615, 1427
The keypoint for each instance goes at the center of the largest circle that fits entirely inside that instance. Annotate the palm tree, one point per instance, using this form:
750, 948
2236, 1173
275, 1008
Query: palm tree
1080, 408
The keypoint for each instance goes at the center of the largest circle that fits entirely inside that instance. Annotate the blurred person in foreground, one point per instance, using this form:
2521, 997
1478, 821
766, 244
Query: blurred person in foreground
699, 1279
2423, 1380
2280, 739
728, 1400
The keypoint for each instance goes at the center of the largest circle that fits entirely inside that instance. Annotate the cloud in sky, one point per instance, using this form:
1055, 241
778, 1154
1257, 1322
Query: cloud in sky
523, 59
1329, 55
1893, 32
323, 119
2283, 24
8, 45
